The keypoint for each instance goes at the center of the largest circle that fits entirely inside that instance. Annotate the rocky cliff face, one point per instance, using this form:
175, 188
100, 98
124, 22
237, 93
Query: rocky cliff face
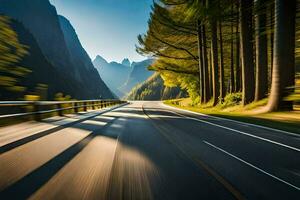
40, 18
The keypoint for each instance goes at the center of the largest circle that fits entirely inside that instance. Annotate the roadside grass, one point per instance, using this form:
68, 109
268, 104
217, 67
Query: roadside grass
287, 121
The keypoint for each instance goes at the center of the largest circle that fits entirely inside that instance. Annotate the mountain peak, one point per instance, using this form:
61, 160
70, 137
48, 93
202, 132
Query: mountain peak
126, 62
100, 59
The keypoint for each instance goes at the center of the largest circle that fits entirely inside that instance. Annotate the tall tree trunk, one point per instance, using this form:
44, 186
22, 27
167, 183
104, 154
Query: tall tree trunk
210, 73
215, 67
201, 79
232, 82
247, 51
271, 38
214, 53
205, 67
261, 87
283, 75
222, 87
238, 74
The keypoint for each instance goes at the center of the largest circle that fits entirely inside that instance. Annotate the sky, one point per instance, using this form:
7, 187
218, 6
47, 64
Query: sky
108, 28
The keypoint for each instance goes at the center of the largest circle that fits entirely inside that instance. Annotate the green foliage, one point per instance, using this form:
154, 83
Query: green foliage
11, 52
154, 89
231, 100
42, 90
172, 38
198, 48
60, 97
295, 96
287, 121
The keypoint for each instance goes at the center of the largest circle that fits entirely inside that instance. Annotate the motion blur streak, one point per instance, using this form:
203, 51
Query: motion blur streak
20, 161
104, 169
86, 176
133, 174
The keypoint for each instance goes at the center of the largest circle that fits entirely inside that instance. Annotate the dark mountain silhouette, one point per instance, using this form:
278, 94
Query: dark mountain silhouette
139, 74
153, 89
41, 19
56, 46
113, 74
42, 71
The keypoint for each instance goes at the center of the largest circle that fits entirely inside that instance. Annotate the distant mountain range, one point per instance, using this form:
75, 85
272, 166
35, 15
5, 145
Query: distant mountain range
154, 89
126, 62
139, 74
122, 77
56, 57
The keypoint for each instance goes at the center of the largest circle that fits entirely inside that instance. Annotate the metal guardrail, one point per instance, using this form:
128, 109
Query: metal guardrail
38, 108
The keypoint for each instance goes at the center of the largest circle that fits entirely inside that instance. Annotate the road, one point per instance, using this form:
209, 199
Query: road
145, 150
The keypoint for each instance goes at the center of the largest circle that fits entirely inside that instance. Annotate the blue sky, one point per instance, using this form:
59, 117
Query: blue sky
107, 27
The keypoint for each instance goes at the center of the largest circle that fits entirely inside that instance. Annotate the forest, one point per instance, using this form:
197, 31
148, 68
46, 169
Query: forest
245, 49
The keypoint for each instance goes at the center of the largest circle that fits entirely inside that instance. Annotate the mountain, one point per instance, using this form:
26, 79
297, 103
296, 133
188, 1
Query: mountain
122, 77
99, 61
153, 89
113, 74
40, 18
40, 69
139, 74
126, 62
85, 69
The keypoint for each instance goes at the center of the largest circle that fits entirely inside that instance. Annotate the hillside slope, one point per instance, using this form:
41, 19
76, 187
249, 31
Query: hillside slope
153, 89
139, 74
122, 77
42, 72
113, 74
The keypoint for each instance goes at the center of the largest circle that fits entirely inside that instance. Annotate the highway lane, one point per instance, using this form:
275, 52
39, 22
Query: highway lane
146, 150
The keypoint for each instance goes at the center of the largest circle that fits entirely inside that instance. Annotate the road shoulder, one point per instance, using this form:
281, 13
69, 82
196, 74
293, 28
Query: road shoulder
282, 126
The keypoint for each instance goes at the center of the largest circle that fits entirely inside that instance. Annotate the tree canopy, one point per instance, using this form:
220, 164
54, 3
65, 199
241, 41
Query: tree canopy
213, 48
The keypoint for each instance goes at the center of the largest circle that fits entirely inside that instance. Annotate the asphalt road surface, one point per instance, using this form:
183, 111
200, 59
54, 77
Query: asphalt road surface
145, 150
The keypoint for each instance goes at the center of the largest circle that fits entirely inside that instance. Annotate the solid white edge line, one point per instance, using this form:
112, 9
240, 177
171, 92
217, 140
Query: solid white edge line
231, 120
244, 133
240, 132
253, 166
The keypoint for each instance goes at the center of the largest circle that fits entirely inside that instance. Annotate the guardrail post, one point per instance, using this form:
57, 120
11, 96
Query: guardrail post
76, 107
60, 111
93, 105
36, 108
84, 106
